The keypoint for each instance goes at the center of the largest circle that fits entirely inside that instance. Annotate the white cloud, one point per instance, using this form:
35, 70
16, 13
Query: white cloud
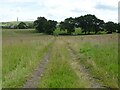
56, 9
19, 1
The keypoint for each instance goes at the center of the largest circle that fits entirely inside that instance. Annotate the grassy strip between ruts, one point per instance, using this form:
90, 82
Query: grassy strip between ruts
59, 73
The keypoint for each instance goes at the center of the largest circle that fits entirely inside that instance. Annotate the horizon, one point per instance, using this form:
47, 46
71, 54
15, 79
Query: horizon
17, 19
46, 18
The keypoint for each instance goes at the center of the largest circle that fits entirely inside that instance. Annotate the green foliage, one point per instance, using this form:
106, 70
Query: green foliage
45, 26
109, 26
51, 25
89, 24
22, 25
118, 29
40, 24
56, 32
30, 25
68, 24
78, 31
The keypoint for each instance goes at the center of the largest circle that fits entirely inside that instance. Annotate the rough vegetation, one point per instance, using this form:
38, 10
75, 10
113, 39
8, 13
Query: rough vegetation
76, 61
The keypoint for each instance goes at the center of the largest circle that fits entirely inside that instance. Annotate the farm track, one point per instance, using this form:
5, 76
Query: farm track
81, 70
38, 73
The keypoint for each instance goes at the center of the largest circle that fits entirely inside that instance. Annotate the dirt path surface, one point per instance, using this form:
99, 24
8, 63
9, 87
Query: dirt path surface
38, 73
81, 70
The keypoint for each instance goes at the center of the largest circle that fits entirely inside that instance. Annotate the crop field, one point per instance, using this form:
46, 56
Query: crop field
34, 60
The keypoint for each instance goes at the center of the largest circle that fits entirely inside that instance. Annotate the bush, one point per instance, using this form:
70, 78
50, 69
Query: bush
22, 25
56, 32
78, 31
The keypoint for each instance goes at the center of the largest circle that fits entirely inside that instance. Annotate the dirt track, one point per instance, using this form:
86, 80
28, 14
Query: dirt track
80, 69
38, 73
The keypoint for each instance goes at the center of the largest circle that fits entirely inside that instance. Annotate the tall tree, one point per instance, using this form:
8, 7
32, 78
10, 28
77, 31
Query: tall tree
98, 25
68, 24
44, 26
51, 26
118, 28
89, 23
62, 26
81, 22
40, 24
109, 26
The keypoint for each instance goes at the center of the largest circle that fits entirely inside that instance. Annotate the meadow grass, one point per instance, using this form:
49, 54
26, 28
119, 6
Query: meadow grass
59, 73
103, 62
23, 50
19, 32
100, 55
21, 56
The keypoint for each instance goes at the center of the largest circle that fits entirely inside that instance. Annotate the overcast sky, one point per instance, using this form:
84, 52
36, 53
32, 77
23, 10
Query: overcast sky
29, 10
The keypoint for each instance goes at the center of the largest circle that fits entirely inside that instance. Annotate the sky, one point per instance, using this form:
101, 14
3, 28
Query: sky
29, 10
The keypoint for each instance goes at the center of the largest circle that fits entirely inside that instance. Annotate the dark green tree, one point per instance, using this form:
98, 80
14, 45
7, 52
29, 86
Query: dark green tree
62, 26
40, 24
50, 26
115, 27
22, 25
81, 22
44, 26
118, 28
89, 23
98, 25
68, 24
109, 27
30, 25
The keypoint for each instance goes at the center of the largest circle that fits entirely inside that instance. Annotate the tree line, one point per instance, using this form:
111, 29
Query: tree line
88, 23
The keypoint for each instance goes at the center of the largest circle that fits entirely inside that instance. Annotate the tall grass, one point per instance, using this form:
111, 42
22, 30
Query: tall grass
99, 54
23, 50
59, 73
21, 55
103, 62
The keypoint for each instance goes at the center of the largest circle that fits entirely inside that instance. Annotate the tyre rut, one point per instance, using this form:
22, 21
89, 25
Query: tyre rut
39, 71
80, 69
